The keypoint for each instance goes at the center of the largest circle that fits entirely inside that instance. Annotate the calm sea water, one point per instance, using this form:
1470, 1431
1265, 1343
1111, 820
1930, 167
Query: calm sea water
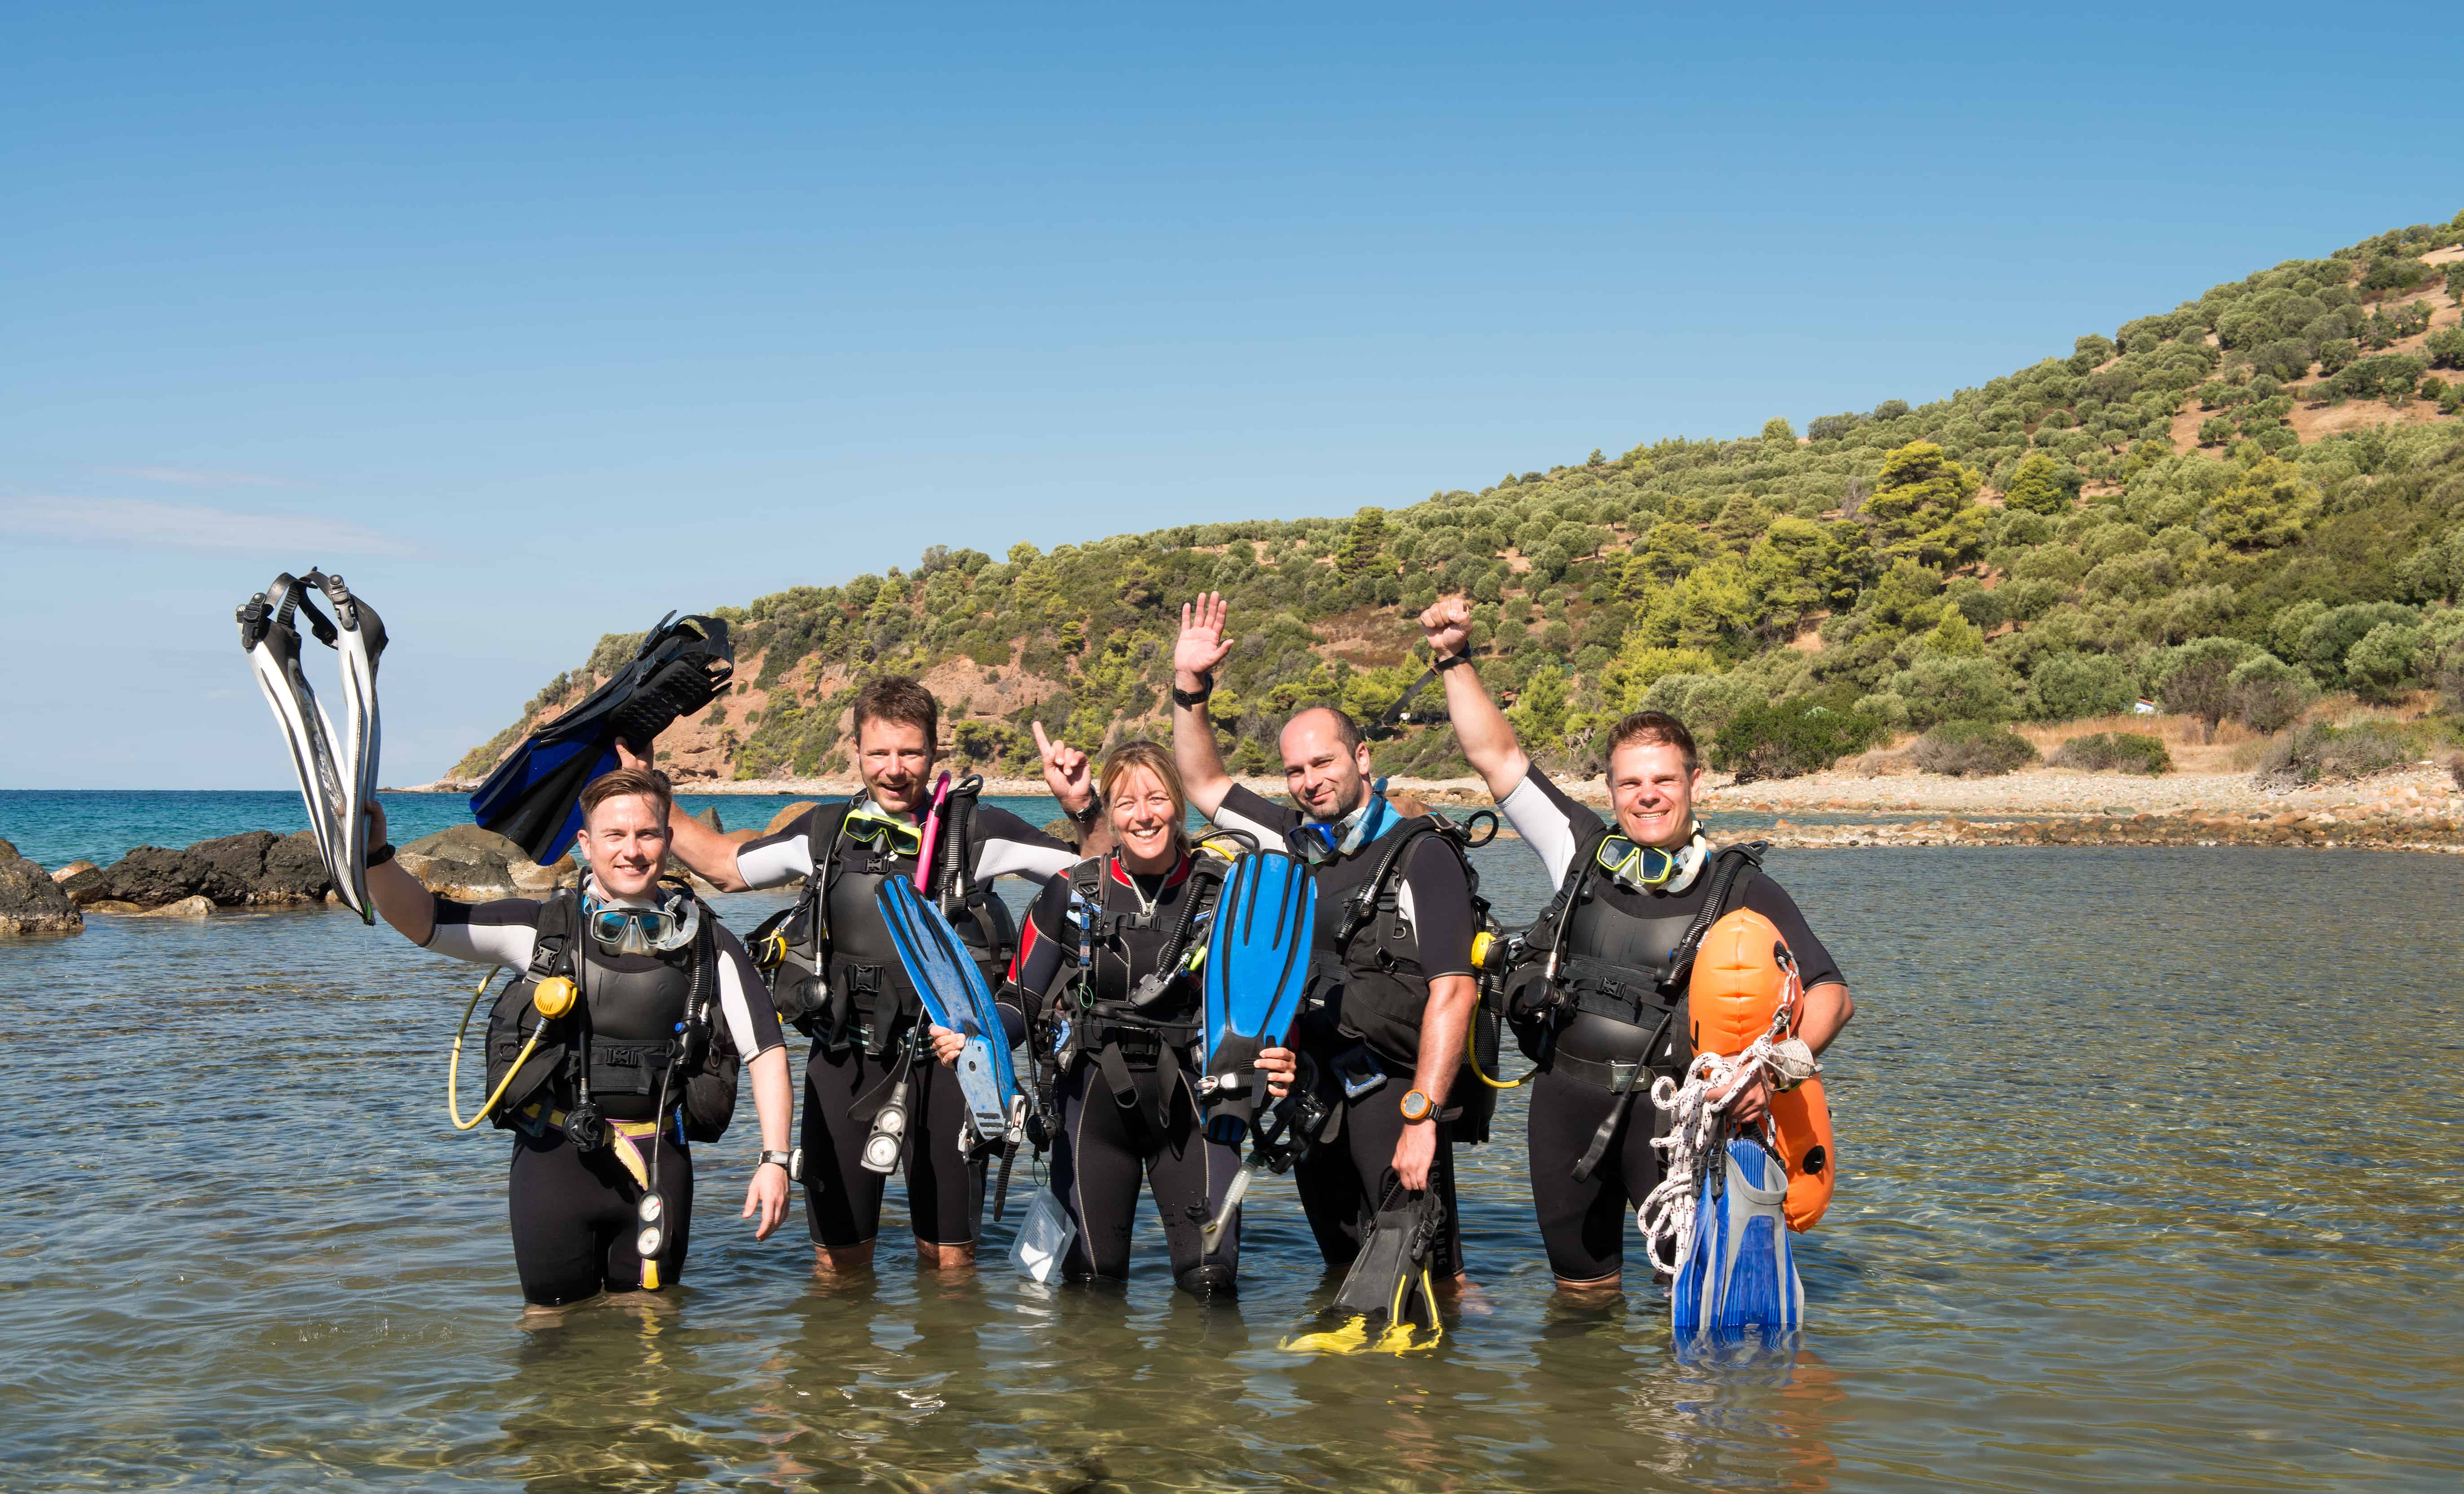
55, 827
2150, 1178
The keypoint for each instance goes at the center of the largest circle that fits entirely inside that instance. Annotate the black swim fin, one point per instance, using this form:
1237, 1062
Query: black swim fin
533, 796
1387, 1301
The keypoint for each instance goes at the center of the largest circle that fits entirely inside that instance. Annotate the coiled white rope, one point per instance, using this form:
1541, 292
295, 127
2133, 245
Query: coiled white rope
1699, 1129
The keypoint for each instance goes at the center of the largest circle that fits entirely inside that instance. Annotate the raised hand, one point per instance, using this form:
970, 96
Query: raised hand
1067, 773
1203, 644
1447, 624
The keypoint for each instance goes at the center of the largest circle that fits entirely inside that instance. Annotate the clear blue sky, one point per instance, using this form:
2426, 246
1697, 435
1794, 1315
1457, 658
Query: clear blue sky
536, 322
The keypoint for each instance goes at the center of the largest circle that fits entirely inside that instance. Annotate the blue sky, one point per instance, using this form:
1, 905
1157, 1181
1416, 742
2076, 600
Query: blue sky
536, 321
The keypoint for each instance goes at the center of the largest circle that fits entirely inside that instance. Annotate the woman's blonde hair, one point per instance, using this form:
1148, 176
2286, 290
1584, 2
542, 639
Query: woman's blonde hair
1155, 759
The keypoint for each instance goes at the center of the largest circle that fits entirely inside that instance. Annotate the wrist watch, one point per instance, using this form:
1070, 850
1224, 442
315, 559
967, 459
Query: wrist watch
786, 1161
1440, 664
1417, 1106
1188, 699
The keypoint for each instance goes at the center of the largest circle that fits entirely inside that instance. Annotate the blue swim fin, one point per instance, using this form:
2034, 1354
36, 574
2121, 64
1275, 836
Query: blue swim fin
534, 795
1257, 965
955, 997
1738, 1273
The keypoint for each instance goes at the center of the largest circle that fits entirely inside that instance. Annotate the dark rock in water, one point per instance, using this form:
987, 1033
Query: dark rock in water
1064, 831
292, 868
467, 864
466, 846
86, 885
256, 867
710, 817
31, 902
152, 877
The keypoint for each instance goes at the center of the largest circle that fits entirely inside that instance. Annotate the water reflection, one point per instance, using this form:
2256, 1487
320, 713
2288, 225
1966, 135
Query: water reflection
2149, 1176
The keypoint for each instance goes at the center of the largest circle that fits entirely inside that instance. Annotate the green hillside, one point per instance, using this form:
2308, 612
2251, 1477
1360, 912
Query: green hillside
2231, 506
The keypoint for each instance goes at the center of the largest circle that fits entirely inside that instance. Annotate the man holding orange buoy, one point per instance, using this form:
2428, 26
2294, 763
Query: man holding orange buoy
1600, 1001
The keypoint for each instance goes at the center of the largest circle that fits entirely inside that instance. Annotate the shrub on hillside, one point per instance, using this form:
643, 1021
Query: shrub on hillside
1971, 750
2381, 666
2066, 686
2320, 753
2114, 752
2194, 679
1942, 688
1789, 738
2267, 694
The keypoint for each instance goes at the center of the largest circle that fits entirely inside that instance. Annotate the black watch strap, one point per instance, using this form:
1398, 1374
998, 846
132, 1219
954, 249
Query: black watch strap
1188, 699
1447, 662
381, 855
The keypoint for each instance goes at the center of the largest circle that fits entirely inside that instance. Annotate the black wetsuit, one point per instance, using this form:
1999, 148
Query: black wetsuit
845, 1081
1340, 1178
1584, 1222
573, 1211
1128, 1097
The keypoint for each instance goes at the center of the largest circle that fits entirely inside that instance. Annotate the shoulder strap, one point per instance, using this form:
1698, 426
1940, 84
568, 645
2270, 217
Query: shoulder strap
954, 879
1087, 878
552, 947
1381, 895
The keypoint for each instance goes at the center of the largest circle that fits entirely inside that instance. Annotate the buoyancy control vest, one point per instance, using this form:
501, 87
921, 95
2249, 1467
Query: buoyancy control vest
1601, 988
833, 971
638, 1018
1365, 964
1127, 1028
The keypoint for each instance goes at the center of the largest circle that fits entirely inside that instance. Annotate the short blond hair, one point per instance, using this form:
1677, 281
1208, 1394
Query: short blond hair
1155, 759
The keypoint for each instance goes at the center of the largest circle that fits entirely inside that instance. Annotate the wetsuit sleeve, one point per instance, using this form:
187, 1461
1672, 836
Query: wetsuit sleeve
751, 1019
777, 860
1553, 825
1007, 846
501, 932
1261, 817
1436, 901
1814, 963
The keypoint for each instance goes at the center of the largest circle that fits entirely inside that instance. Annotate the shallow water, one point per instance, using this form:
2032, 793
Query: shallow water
2150, 1178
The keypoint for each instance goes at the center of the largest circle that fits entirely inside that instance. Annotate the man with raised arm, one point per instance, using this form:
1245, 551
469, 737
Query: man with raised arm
1628, 892
1382, 1033
840, 982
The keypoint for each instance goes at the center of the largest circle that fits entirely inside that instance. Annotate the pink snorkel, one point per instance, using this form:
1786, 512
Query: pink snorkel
932, 835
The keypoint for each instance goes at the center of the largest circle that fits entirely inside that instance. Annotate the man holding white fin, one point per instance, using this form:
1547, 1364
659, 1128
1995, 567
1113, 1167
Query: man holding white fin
1386, 1017
1630, 889
874, 1101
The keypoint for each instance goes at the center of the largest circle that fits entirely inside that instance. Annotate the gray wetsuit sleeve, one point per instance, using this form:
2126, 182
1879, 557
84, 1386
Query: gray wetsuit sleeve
501, 932
1553, 825
1007, 846
744, 1000
777, 860
1261, 817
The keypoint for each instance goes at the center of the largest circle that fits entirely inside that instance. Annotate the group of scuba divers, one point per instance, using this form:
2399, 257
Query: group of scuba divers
1315, 988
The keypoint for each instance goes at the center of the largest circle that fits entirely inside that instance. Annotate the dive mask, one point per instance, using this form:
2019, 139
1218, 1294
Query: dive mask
1649, 867
620, 929
1313, 843
897, 837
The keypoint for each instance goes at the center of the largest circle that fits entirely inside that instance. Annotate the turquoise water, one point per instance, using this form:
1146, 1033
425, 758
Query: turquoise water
2150, 1177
